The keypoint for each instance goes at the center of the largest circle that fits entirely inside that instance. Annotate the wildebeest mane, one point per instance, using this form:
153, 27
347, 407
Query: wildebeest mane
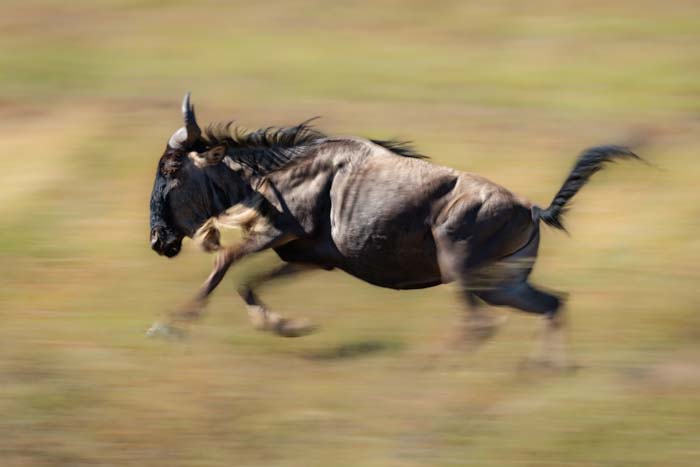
269, 149
266, 149
402, 148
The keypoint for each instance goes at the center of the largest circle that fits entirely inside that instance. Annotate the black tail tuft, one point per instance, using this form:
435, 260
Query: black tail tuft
589, 162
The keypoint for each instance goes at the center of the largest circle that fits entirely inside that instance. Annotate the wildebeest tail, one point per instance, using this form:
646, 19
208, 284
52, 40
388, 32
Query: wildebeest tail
589, 162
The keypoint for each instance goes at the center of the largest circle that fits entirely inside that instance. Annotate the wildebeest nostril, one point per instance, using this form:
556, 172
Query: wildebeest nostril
155, 240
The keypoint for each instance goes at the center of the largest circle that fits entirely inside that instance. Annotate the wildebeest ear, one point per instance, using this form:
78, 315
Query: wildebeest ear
210, 157
215, 154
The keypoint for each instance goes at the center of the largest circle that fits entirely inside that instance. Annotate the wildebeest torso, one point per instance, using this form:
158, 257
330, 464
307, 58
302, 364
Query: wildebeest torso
375, 214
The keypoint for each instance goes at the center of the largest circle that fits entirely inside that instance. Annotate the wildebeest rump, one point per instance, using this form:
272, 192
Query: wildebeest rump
375, 209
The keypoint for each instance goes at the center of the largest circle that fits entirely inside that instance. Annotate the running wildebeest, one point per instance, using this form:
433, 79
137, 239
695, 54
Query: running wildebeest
375, 209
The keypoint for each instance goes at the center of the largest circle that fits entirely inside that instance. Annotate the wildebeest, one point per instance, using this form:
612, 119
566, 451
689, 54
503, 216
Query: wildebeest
375, 209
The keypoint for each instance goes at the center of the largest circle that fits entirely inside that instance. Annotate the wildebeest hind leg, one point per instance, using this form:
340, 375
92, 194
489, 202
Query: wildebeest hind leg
260, 316
523, 296
478, 324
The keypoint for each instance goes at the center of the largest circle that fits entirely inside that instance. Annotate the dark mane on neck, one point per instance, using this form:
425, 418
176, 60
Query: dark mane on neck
270, 137
269, 149
266, 149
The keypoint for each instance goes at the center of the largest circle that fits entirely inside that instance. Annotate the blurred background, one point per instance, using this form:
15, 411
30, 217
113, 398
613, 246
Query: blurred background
89, 94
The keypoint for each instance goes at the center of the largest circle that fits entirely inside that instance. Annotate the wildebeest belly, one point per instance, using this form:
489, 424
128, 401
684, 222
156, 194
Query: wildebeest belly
380, 260
405, 260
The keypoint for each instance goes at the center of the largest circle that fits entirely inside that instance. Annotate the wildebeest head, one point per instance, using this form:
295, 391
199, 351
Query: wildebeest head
181, 199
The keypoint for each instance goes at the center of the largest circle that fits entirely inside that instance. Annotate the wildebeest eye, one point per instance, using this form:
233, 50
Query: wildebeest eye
170, 164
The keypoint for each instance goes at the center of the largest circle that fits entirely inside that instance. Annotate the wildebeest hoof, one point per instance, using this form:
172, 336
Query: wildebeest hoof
479, 329
165, 331
294, 327
265, 320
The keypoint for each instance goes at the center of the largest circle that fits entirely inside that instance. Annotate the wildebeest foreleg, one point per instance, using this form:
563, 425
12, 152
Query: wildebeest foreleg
225, 258
262, 318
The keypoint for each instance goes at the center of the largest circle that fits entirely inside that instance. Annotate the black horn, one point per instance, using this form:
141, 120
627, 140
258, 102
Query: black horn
187, 135
193, 130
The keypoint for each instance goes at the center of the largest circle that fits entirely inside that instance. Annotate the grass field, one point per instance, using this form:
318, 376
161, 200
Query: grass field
89, 94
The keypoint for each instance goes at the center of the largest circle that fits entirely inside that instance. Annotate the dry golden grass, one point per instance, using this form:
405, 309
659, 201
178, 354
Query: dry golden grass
513, 91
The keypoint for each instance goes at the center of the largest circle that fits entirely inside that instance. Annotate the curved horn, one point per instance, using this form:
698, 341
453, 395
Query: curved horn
193, 130
187, 135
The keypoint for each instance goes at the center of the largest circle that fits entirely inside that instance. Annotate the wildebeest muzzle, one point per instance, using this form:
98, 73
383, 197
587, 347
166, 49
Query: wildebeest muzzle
165, 243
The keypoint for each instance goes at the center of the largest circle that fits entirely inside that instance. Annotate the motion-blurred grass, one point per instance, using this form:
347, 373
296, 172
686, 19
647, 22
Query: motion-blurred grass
89, 94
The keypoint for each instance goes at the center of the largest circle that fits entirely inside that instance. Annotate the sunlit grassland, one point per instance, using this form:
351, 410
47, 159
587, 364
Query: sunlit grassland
90, 94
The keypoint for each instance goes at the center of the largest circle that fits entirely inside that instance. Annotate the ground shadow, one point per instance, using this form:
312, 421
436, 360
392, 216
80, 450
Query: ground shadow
351, 350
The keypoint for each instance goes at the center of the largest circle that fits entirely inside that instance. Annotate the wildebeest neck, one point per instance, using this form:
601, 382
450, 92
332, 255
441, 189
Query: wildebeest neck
224, 188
